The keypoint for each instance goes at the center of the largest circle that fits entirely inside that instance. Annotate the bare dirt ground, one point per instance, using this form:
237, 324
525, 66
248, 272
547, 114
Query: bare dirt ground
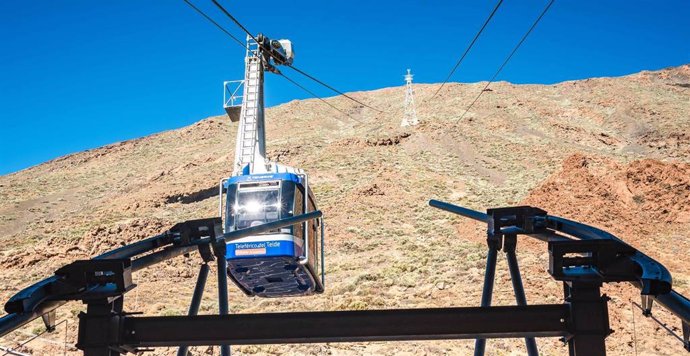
612, 152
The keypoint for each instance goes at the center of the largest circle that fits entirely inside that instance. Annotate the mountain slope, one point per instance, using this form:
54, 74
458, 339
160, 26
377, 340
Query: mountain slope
385, 247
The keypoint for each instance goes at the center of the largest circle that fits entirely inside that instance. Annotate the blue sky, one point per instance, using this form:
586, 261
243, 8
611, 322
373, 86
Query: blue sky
79, 74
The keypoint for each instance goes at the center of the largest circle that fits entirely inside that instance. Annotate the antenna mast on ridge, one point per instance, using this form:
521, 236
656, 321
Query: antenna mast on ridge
410, 118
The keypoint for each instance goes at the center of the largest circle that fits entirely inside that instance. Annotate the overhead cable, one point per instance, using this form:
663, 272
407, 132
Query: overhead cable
266, 50
241, 43
200, 12
508, 58
317, 97
486, 22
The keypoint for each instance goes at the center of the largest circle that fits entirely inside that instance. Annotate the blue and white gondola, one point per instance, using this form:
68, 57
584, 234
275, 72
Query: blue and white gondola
283, 262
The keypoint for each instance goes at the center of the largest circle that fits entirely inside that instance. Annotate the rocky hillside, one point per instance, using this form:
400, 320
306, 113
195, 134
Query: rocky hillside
613, 152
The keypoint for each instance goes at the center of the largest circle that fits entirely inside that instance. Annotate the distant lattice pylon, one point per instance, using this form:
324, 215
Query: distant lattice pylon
410, 118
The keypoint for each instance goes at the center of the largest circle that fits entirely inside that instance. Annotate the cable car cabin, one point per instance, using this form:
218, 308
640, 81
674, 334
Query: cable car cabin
282, 262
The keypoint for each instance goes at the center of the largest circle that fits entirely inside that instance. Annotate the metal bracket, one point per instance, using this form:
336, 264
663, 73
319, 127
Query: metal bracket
577, 259
686, 335
646, 304
194, 230
49, 320
512, 221
219, 248
206, 253
522, 218
94, 279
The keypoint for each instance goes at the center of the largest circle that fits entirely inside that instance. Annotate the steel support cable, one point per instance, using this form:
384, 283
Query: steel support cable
317, 97
36, 336
486, 22
660, 323
237, 22
241, 43
266, 50
247, 48
508, 58
332, 88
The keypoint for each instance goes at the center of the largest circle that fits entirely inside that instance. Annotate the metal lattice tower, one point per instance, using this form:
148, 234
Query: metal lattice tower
410, 118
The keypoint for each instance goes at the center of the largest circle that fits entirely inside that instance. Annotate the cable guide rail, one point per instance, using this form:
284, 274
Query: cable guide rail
581, 256
183, 238
580, 253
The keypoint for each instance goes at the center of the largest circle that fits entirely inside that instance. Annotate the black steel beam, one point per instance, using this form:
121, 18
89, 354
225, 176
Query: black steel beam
344, 326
